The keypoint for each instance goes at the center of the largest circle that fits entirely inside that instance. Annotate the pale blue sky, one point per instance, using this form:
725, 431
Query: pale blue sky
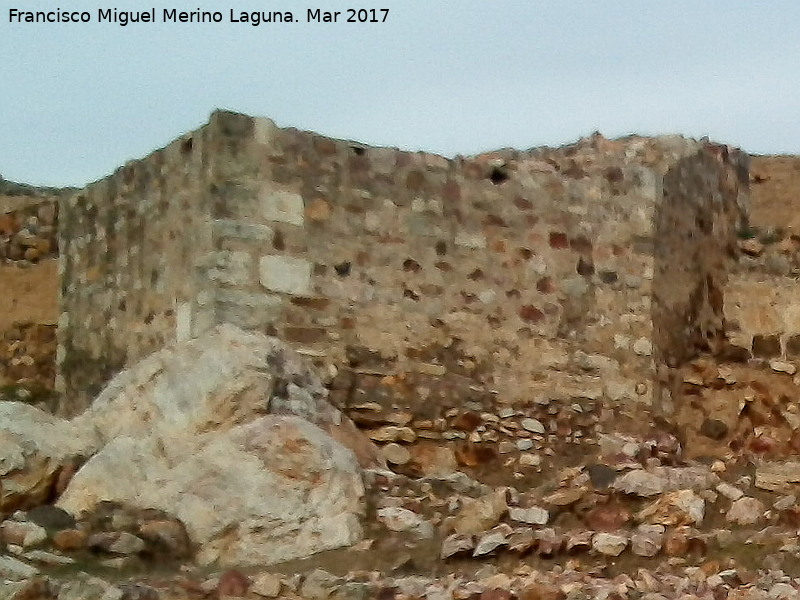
76, 101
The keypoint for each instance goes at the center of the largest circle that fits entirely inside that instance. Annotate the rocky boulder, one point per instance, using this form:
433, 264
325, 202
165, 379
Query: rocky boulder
271, 490
230, 433
224, 378
38, 454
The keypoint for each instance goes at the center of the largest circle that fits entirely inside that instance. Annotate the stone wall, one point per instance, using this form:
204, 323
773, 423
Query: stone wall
129, 248
533, 274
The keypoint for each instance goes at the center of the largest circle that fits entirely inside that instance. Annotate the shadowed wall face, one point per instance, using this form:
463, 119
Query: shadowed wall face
129, 244
531, 273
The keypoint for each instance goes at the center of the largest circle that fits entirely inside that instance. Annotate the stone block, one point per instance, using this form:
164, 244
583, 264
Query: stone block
264, 130
232, 268
228, 228
286, 274
247, 310
470, 240
282, 206
183, 325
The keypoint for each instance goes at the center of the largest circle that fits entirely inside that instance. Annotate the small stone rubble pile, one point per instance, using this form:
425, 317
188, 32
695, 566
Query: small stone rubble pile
114, 536
729, 406
27, 353
774, 251
427, 424
28, 235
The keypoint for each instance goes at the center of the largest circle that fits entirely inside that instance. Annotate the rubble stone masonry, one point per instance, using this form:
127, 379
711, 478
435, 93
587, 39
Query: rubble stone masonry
583, 271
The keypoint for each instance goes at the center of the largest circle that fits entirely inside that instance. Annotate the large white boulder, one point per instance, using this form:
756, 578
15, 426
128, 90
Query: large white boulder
224, 378
232, 434
271, 490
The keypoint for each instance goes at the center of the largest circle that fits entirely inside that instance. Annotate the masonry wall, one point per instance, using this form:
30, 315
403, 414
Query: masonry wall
530, 273
129, 250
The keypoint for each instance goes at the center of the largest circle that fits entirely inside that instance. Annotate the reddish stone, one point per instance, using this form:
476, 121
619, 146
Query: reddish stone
499, 246
558, 240
762, 445
467, 421
318, 209
676, 543
530, 314
451, 192
68, 540
541, 591
8, 224
710, 567
233, 583
546, 285
607, 517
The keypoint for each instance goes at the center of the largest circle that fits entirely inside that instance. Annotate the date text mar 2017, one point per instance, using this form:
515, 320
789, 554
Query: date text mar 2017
351, 15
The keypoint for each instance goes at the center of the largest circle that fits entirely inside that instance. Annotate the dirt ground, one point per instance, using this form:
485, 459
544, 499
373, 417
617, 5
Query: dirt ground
29, 294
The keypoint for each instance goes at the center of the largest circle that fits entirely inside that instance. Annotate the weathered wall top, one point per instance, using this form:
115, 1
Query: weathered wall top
574, 271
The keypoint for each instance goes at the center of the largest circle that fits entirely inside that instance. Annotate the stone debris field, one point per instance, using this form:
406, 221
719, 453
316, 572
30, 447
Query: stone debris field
263, 363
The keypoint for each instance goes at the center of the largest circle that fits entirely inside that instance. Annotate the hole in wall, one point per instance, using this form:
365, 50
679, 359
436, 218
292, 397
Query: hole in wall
343, 269
410, 264
358, 150
498, 175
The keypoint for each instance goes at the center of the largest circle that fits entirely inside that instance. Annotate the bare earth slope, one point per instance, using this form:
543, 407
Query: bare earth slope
29, 295
775, 191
